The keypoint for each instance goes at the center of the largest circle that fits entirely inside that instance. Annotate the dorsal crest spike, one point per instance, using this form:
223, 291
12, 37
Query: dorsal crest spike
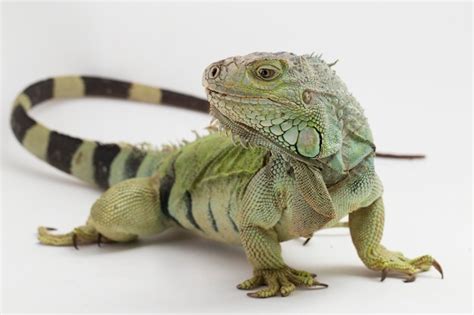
333, 63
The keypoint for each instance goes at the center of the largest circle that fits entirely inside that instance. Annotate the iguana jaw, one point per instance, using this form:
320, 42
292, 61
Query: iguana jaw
248, 135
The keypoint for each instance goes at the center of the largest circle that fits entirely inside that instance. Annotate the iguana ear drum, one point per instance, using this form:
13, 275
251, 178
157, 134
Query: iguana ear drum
308, 144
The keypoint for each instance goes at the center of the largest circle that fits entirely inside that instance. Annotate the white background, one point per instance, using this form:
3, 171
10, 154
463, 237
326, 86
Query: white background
408, 64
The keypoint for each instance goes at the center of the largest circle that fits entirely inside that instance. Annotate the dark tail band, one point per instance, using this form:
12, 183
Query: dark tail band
94, 162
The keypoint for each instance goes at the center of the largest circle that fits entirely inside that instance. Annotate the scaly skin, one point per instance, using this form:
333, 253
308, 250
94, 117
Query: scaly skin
304, 160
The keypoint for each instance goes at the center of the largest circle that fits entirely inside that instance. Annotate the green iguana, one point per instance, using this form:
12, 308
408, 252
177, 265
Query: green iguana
299, 158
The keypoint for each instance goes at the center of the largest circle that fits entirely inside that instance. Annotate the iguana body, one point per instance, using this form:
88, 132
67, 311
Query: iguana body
305, 162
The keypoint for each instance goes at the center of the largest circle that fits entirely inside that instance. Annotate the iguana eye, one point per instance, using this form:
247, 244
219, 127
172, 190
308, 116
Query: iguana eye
214, 72
267, 73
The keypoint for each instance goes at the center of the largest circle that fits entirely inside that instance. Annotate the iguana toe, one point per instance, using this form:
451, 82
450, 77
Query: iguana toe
80, 235
251, 283
388, 261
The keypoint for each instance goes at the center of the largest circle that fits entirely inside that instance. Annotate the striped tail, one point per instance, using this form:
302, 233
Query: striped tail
101, 164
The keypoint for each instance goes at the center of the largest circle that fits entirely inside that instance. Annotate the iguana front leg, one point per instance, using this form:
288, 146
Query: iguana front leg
264, 202
366, 226
361, 195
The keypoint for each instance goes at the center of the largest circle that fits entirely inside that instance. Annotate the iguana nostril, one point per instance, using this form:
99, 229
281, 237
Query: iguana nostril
214, 72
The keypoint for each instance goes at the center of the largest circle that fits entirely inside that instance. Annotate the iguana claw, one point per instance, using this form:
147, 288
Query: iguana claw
411, 278
99, 240
438, 267
74, 241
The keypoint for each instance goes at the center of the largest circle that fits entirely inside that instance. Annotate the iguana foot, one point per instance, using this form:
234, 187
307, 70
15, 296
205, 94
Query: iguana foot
81, 235
387, 261
283, 281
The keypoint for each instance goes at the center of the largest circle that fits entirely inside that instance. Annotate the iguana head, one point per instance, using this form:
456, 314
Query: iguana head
280, 101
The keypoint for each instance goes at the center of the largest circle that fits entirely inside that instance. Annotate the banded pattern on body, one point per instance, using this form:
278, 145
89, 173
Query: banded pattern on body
206, 213
202, 185
103, 164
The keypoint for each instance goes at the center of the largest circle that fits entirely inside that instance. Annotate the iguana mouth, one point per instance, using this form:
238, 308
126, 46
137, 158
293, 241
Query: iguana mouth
242, 99
247, 99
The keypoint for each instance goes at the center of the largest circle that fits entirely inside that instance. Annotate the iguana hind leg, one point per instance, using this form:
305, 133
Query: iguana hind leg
124, 212
366, 226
